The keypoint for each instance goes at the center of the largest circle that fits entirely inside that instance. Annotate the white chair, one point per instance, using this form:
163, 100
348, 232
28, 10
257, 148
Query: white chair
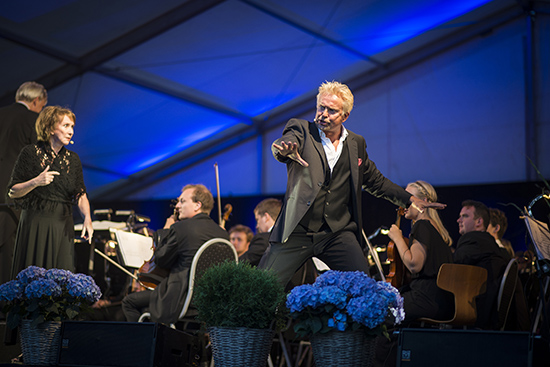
506, 292
212, 252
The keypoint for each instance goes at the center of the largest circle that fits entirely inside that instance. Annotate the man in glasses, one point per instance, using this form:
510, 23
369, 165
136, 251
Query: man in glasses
176, 245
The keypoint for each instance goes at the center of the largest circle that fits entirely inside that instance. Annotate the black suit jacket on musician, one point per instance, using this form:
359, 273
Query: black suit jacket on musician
480, 249
16, 130
304, 183
256, 249
175, 250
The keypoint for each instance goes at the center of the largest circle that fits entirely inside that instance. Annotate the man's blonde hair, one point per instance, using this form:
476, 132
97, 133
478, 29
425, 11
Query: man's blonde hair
340, 90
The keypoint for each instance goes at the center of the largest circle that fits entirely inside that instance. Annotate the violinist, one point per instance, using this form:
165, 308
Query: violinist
177, 244
429, 248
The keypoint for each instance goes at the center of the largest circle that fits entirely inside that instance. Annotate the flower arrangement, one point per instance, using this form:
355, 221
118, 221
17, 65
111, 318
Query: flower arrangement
344, 301
42, 295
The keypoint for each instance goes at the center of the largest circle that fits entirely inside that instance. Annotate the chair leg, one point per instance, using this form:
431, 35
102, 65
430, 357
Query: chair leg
285, 350
304, 350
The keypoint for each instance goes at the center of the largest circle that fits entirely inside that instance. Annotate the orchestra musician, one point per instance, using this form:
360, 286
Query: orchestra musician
327, 167
177, 243
265, 214
429, 248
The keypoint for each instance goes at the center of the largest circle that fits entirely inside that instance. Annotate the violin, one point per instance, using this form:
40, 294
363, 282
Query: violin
228, 208
149, 274
398, 275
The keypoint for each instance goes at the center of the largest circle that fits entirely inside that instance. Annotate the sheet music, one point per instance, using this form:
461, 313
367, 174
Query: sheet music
102, 225
540, 235
134, 248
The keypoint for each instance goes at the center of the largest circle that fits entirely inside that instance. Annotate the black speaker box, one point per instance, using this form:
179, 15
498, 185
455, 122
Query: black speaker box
126, 344
470, 348
10, 350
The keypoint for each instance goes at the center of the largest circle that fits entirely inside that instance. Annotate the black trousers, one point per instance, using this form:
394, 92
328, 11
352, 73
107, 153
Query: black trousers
340, 251
134, 304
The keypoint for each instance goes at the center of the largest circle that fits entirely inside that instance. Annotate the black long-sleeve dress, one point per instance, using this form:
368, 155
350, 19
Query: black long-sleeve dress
45, 235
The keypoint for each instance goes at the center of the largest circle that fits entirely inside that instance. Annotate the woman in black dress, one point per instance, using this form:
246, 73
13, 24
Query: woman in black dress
46, 182
429, 247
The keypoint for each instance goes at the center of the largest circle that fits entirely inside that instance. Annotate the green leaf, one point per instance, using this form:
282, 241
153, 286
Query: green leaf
37, 320
13, 320
71, 313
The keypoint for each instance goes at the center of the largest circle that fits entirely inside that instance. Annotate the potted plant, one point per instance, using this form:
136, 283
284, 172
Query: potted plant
38, 300
240, 305
343, 312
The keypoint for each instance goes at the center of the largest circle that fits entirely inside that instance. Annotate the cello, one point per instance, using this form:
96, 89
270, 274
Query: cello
398, 274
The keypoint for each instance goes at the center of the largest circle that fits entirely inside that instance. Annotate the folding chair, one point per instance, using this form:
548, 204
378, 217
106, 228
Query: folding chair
506, 292
212, 252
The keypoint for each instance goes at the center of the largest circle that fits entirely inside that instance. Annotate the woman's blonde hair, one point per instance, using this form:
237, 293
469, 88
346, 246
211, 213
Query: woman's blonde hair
427, 192
48, 118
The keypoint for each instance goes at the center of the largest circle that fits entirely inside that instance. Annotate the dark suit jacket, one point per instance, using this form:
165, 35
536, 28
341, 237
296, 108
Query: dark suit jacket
480, 249
175, 250
256, 249
304, 183
16, 131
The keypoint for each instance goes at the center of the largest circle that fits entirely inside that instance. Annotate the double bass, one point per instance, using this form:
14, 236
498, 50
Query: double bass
398, 275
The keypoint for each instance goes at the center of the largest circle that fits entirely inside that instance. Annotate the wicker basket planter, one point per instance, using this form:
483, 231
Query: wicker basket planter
343, 349
40, 344
238, 347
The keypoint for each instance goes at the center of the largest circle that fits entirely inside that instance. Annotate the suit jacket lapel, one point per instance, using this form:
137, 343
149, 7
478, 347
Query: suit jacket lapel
353, 161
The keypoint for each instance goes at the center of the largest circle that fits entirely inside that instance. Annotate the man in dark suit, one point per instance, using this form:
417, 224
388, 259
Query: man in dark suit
327, 168
177, 244
240, 236
265, 214
16, 130
477, 247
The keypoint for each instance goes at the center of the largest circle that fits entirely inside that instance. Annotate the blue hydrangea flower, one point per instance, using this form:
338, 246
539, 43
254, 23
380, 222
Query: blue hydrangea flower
356, 297
396, 305
60, 276
42, 287
331, 277
369, 310
31, 273
83, 286
303, 296
11, 291
333, 295
338, 321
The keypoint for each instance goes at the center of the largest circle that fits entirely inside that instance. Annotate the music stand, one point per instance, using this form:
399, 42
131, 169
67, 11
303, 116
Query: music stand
134, 248
540, 236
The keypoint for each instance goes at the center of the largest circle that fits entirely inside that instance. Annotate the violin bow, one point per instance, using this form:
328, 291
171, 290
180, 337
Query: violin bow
218, 191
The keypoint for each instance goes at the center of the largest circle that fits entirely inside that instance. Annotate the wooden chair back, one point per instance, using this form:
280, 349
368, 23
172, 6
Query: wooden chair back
465, 282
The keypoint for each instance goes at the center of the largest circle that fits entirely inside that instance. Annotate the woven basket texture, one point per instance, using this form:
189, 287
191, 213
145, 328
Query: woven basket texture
40, 345
238, 347
343, 349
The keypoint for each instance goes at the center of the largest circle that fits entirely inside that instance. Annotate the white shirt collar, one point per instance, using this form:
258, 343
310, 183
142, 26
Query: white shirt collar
24, 104
331, 153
